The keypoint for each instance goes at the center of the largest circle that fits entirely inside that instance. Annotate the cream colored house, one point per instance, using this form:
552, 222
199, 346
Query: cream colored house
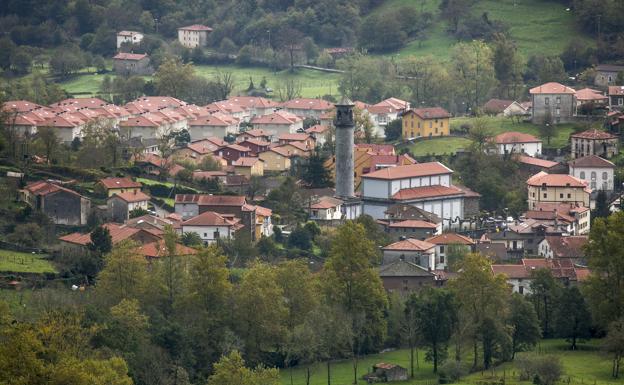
276, 159
557, 188
195, 35
248, 166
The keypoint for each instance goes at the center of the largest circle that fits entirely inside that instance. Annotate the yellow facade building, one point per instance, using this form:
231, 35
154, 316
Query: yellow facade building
557, 188
276, 159
426, 122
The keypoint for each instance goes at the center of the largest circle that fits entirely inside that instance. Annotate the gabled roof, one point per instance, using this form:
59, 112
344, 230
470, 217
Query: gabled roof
298, 145
298, 136
496, 105
129, 56
555, 180
567, 247
326, 202
531, 161
511, 271
402, 268
277, 117
413, 224
211, 200
590, 94
409, 171
256, 132
43, 188
308, 104
409, 244
430, 113
317, 129
255, 142
594, 134
210, 218
196, 27
426, 192
246, 161
131, 197
120, 183
253, 102
280, 151
118, 233
552, 88
159, 249
515, 137
449, 239
616, 90
238, 147
21, 106
593, 161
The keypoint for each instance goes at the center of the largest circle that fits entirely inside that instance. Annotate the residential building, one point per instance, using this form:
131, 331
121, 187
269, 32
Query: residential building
552, 103
519, 277
411, 250
513, 142
448, 243
297, 149
404, 277
522, 238
320, 133
128, 38
302, 137
217, 125
506, 108
423, 185
411, 228
158, 249
534, 165
425, 122
596, 171
229, 108
325, 208
233, 152
384, 112
249, 166
616, 97
62, 205
132, 64
256, 146
255, 105
212, 226
557, 188
564, 247
24, 116
112, 186
593, 142
257, 134
277, 123
119, 206
77, 243
195, 35
276, 159
588, 99
570, 219
198, 150
307, 108
607, 74
264, 223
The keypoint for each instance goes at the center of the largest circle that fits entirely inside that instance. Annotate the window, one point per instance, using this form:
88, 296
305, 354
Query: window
558, 99
430, 124
442, 249
561, 196
521, 289
620, 101
582, 175
593, 175
605, 176
545, 195
547, 101
558, 111
205, 235
569, 196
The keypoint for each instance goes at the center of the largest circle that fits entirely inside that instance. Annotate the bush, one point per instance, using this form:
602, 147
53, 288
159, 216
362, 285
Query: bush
544, 370
451, 371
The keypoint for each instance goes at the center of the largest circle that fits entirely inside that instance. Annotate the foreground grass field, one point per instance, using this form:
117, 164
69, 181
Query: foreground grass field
584, 366
313, 83
16, 262
536, 26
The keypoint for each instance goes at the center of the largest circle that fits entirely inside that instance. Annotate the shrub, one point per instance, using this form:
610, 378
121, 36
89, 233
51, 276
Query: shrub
451, 371
545, 370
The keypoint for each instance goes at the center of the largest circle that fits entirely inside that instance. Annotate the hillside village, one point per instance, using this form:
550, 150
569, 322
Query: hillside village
170, 229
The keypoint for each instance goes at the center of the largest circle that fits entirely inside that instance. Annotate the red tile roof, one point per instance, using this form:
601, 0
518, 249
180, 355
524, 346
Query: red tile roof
158, 249
317, 129
552, 88
616, 90
590, 94
511, 271
326, 203
129, 56
211, 200
536, 161
426, 192
253, 102
246, 161
594, 134
210, 218
118, 233
119, 183
591, 161
308, 104
515, 137
496, 105
450, 238
257, 132
43, 188
409, 171
294, 137
131, 197
278, 117
555, 180
567, 247
409, 244
431, 113
196, 27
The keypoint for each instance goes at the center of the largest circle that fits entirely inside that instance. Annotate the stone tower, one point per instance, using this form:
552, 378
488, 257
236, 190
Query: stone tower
345, 126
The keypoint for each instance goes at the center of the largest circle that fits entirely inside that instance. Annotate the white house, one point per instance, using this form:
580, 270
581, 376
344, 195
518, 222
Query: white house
411, 250
278, 123
518, 277
120, 205
129, 37
217, 125
423, 185
326, 209
211, 226
517, 143
596, 171
195, 35
307, 107
445, 241
384, 112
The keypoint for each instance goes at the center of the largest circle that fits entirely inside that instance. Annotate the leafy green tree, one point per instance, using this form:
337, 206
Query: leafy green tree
572, 317
454, 10
614, 344
393, 130
315, 174
508, 65
545, 290
524, 323
602, 206
124, 275
21, 61
191, 239
300, 291
300, 238
473, 72
174, 78
231, 370
137, 212
435, 317
101, 241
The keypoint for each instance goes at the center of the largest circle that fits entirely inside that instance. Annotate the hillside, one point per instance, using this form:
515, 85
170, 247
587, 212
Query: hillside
537, 26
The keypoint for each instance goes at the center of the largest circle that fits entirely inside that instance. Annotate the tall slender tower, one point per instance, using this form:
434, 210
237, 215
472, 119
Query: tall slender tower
345, 126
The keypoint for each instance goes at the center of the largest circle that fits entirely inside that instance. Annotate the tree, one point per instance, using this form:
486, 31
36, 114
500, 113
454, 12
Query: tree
435, 317
394, 130
572, 317
173, 78
27, 234
507, 65
300, 238
225, 84
473, 72
21, 61
66, 61
602, 206
614, 344
524, 323
315, 174
545, 290
231, 370
50, 141
124, 275
603, 289
300, 291
363, 125
547, 128
289, 89
191, 239
454, 10
101, 241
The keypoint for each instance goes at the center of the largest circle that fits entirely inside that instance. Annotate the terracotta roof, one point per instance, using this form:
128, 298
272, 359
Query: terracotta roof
515, 137
450, 238
560, 207
253, 102
158, 249
555, 180
43, 188
384, 160
431, 113
238, 147
511, 271
616, 90
281, 151
299, 145
552, 88
590, 94
120, 183
308, 104
256, 142
211, 200
594, 134
278, 117
536, 161
296, 137
256, 132
215, 120
210, 218
402, 268
409, 244
567, 247
129, 56
326, 203
138, 121
496, 105
118, 233
591, 161
21, 106
317, 129
426, 192
196, 27
76, 103
246, 161
413, 223
131, 197
409, 171
263, 211
208, 174
378, 149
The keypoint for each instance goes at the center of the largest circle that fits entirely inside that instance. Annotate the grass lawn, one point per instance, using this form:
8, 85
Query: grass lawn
584, 366
16, 262
314, 83
536, 26
438, 146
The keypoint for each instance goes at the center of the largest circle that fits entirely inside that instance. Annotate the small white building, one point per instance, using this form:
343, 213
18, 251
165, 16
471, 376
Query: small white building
445, 241
326, 209
278, 123
195, 35
120, 205
518, 277
411, 250
517, 143
216, 125
211, 226
384, 112
596, 171
129, 37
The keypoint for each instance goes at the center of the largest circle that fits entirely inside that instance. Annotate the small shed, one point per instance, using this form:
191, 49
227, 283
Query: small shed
383, 372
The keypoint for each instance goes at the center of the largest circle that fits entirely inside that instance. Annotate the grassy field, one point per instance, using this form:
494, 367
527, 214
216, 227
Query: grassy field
584, 366
313, 83
16, 262
536, 26
438, 146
